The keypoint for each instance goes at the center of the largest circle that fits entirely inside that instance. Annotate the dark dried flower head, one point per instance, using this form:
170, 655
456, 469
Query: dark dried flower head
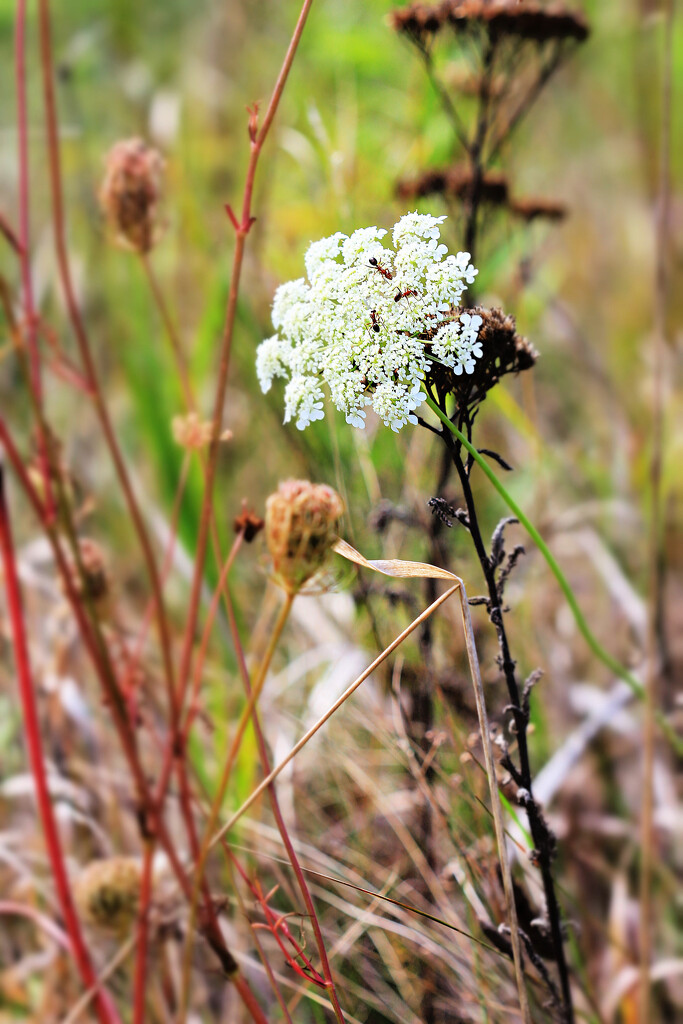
503, 351
107, 895
129, 194
524, 19
302, 522
455, 182
248, 522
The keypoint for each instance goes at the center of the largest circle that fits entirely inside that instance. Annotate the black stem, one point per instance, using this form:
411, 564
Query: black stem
543, 838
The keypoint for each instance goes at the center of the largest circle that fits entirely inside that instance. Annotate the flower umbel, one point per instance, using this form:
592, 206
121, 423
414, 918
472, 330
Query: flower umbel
369, 322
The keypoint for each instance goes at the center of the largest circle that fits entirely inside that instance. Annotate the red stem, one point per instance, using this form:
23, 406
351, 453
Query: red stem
24, 240
282, 828
86, 354
146, 887
100, 660
24, 233
241, 232
105, 1010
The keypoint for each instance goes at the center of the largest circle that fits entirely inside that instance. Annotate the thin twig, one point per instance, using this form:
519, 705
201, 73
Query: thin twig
655, 660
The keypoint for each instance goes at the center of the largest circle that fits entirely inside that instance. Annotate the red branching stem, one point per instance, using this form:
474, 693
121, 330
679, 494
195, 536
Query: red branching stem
241, 232
170, 328
146, 889
249, 999
280, 822
105, 1011
100, 659
9, 234
80, 332
24, 232
30, 315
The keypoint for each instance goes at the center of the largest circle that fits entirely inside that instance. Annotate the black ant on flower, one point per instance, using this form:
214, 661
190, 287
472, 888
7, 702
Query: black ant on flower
376, 265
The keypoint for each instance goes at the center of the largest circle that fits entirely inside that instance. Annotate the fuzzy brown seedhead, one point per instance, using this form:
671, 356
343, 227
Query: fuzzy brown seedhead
524, 19
107, 894
302, 523
129, 194
503, 351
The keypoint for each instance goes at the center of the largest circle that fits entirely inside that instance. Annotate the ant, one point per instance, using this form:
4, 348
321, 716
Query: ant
376, 265
404, 295
375, 320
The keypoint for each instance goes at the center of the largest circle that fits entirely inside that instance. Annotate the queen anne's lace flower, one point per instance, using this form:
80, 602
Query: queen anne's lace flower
369, 323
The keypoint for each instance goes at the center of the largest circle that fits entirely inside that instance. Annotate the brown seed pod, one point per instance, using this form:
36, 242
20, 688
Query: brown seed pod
302, 521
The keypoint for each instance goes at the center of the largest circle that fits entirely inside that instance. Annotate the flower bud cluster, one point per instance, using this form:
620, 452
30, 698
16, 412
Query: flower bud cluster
369, 322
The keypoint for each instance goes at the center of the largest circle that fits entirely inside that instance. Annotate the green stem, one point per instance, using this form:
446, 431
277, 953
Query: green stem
594, 644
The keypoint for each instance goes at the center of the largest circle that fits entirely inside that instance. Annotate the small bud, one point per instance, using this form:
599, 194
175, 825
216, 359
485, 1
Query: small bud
107, 894
130, 192
302, 521
253, 121
192, 433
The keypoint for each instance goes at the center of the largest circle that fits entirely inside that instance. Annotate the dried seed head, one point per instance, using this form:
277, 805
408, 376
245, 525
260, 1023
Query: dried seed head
525, 19
130, 193
107, 895
302, 521
455, 182
537, 208
503, 351
458, 182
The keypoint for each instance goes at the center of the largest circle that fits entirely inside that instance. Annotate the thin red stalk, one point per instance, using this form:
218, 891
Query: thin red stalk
282, 828
80, 332
241, 231
165, 567
146, 888
200, 859
105, 1012
100, 660
261, 952
249, 999
35, 381
169, 326
24, 230
147, 881
219, 592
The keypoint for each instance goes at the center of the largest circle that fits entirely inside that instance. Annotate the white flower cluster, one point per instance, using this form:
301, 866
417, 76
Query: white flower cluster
369, 322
